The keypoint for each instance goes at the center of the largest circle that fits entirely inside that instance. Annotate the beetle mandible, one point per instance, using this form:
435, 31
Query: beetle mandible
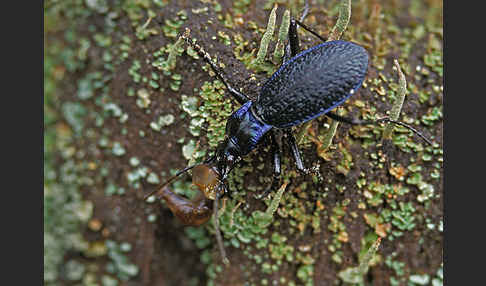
307, 85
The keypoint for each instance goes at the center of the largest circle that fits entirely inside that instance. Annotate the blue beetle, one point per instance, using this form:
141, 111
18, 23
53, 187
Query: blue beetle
307, 85
310, 84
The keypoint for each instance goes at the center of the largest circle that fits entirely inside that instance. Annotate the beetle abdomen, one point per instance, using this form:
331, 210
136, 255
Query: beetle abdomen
312, 83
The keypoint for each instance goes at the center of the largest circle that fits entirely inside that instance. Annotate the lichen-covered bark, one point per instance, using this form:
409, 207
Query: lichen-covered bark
119, 120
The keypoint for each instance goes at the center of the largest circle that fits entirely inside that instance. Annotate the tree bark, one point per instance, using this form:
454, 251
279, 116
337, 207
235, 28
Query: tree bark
119, 121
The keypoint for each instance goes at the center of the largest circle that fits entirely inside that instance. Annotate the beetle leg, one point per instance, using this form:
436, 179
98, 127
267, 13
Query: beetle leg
302, 17
240, 97
298, 159
293, 45
352, 121
294, 42
226, 191
276, 151
295, 152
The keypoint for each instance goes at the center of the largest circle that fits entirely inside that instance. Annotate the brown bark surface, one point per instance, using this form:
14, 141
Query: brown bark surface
108, 136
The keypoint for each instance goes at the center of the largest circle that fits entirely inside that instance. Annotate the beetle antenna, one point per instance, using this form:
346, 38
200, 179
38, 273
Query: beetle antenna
386, 119
305, 12
219, 237
240, 97
352, 121
170, 180
310, 30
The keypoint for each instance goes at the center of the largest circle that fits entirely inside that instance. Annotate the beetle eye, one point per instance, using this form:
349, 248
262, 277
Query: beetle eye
206, 179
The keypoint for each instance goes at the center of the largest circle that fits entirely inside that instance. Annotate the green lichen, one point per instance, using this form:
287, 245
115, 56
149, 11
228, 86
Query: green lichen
397, 267
143, 32
213, 110
136, 175
172, 26
143, 100
426, 188
133, 71
163, 121
62, 226
199, 235
120, 264
74, 114
401, 216
118, 149
305, 274
241, 6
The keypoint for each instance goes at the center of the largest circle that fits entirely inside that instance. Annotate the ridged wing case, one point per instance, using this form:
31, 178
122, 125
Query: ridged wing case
312, 83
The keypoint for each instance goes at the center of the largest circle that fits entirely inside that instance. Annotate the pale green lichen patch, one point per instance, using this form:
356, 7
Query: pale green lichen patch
120, 264
172, 26
133, 71
163, 121
118, 149
143, 100
213, 110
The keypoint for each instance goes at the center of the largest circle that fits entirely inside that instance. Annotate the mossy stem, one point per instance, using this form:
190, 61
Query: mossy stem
267, 36
282, 35
364, 265
326, 142
276, 200
342, 21
397, 105
171, 59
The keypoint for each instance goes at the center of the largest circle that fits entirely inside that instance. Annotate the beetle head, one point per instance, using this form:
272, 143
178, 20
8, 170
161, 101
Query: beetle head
206, 179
